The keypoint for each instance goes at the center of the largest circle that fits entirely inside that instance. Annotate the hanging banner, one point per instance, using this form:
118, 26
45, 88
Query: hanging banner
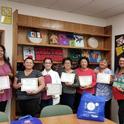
119, 48
6, 15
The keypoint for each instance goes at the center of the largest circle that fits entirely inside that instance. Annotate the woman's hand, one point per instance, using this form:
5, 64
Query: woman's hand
31, 92
18, 85
1, 92
86, 87
68, 84
96, 71
10, 75
120, 89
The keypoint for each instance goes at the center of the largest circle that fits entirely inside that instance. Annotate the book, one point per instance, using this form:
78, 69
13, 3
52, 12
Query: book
75, 55
95, 56
28, 52
79, 41
118, 84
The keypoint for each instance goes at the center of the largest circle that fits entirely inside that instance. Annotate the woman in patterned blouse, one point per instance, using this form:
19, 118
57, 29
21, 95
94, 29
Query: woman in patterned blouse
103, 89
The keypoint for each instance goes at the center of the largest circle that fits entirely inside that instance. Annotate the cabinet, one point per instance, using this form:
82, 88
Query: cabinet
95, 38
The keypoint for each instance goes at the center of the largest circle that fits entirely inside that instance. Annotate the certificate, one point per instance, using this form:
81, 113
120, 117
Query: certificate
103, 78
68, 77
29, 84
4, 82
85, 80
54, 89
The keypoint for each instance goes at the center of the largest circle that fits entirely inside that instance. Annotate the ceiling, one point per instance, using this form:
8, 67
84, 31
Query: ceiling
96, 8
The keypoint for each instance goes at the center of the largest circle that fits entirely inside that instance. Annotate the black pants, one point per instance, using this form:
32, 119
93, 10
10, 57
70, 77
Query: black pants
46, 103
108, 109
67, 99
3, 106
30, 107
121, 111
77, 101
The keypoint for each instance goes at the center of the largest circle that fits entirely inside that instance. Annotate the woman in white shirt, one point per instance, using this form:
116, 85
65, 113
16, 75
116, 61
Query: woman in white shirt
55, 79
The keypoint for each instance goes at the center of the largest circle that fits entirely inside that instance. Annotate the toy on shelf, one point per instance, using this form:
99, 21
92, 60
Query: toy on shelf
34, 37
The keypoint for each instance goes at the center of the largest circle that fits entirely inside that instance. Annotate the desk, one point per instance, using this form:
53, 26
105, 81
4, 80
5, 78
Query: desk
70, 119
4, 122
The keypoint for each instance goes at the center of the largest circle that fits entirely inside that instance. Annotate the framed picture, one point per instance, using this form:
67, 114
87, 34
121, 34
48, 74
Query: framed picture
28, 52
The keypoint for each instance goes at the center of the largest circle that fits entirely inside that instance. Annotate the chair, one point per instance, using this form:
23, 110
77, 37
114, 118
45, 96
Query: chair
3, 117
54, 110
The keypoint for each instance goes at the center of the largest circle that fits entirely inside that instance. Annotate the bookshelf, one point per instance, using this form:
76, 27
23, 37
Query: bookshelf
22, 24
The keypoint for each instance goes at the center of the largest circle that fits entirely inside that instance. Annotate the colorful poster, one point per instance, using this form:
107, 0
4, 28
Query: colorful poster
119, 48
6, 15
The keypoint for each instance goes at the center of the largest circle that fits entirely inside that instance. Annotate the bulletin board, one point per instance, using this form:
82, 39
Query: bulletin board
119, 48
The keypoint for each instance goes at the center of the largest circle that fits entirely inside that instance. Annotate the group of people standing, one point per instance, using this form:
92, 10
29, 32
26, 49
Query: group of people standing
31, 102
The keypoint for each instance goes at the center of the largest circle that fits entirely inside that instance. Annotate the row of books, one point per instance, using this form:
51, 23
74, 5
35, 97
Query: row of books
39, 54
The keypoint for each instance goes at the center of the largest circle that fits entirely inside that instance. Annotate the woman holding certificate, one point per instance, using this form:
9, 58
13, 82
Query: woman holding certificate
29, 84
53, 88
118, 89
69, 83
87, 80
5, 73
104, 86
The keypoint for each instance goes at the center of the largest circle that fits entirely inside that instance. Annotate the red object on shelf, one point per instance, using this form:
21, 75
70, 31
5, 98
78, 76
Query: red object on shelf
56, 54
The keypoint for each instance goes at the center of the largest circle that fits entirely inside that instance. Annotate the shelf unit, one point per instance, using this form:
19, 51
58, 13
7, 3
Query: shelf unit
23, 23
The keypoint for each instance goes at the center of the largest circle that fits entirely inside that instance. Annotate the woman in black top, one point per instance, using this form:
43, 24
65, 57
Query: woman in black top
69, 88
29, 101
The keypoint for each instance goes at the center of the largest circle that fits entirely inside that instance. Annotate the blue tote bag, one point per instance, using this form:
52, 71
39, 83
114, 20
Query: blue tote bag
28, 119
91, 107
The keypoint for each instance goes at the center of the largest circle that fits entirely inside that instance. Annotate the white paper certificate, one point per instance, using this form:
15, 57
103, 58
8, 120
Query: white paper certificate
68, 77
29, 84
103, 78
4, 82
85, 80
54, 89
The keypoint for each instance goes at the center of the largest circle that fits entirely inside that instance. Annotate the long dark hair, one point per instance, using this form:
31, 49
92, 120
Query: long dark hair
65, 59
6, 59
122, 56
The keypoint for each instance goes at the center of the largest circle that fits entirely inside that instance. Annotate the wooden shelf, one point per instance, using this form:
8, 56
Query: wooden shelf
83, 33
62, 46
22, 24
